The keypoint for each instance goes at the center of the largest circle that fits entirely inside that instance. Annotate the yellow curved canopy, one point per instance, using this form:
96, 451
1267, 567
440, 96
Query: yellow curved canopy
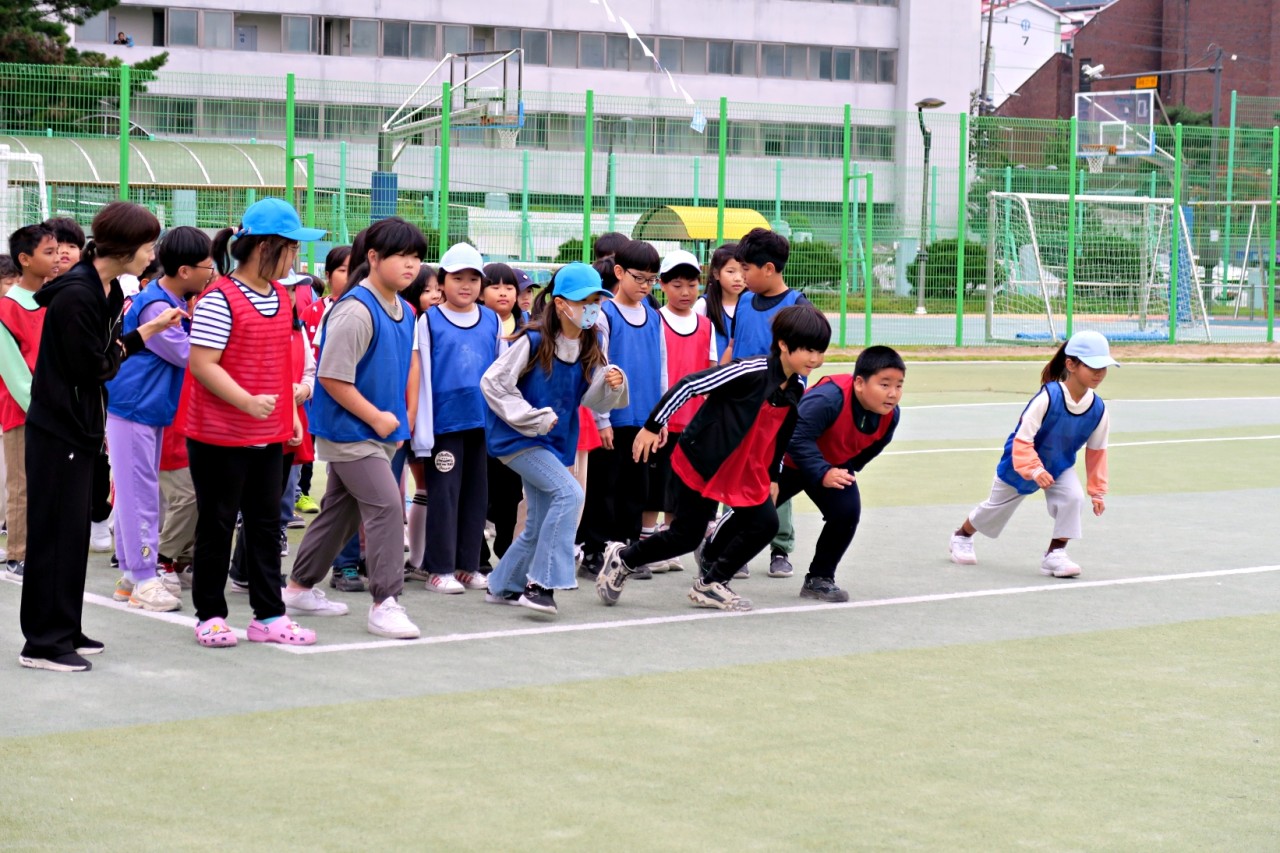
696, 223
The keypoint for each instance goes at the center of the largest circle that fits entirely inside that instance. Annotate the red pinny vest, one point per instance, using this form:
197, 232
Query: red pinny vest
843, 440
686, 354
25, 326
743, 478
259, 358
305, 452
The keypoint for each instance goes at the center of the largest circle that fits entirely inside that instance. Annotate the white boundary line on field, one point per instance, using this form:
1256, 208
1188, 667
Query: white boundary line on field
995, 448
189, 622
910, 408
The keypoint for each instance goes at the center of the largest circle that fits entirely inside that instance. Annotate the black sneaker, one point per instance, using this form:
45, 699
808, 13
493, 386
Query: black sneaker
296, 522
86, 646
506, 597
591, 565
284, 543
779, 565
539, 599
115, 561
15, 569
70, 662
718, 596
822, 589
613, 574
347, 579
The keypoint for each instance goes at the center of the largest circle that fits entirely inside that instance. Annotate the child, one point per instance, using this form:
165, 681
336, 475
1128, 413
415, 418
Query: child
691, 347
424, 294
632, 333
720, 302
1065, 415
336, 266
239, 417
35, 248
731, 453
500, 292
762, 255
421, 296
70, 237
525, 293
844, 422
10, 273
360, 418
65, 427
533, 393
607, 245
457, 341
142, 401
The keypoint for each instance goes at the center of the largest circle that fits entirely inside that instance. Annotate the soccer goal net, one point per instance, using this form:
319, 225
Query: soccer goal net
23, 195
1124, 254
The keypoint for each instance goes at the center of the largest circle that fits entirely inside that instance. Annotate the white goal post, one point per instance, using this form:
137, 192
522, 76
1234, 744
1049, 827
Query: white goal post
24, 197
1124, 251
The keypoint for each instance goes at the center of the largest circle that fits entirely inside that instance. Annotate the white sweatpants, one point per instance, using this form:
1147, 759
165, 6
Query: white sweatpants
1065, 501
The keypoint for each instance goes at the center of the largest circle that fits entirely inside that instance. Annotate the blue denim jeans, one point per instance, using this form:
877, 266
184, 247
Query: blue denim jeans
543, 552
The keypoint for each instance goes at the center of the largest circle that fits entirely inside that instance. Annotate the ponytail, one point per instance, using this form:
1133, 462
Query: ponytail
88, 253
220, 251
1056, 368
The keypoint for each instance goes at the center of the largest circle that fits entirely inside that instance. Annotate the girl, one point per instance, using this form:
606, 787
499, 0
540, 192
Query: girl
240, 416
719, 304
457, 341
554, 365
142, 401
424, 294
1065, 415
66, 426
501, 288
421, 296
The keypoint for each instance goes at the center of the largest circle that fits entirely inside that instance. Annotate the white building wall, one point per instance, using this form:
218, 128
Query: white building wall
1023, 37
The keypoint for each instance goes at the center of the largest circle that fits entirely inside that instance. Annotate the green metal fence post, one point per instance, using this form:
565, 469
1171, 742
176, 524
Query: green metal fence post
721, 175
1231, 168
343, 235
697, 181
586, 176
613, 189
442, 194
1175, 229
1271, 246
933, 203
290, 89
526, 237
962, 225
310, 211
868, 257
777, 190
126, 90
845, 149
435, 188
1071, 228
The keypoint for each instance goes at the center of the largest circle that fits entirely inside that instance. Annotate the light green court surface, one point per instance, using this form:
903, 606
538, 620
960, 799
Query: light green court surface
944, 708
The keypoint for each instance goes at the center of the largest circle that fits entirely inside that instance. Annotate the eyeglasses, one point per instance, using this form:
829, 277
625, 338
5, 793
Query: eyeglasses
642, 279
211, 268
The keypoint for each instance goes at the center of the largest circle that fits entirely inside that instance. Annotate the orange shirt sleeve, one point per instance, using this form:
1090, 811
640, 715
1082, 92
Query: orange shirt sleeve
1025, 459
1095, 466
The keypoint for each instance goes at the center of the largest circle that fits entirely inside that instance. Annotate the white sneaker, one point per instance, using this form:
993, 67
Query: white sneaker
447, 584
1056, 564
100, 537
4, 555
675, 564
171, 582
962, 550
389, 619
471, 580
151, 595
310, 602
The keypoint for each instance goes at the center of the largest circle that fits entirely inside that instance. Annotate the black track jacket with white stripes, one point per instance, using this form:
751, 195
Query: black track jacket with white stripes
734, 393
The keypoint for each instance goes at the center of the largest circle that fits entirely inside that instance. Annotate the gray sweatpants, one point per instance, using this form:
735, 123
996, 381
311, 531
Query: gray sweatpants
1064, 499
178, 533
361, 491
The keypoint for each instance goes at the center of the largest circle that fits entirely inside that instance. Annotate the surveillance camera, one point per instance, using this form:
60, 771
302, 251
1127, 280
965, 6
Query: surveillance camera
1093, 72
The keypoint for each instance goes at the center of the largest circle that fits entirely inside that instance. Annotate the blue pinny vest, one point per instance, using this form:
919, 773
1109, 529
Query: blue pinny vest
147, 388
638, 351
753, 329
1061, 436
459, 357
561, 392
381, 375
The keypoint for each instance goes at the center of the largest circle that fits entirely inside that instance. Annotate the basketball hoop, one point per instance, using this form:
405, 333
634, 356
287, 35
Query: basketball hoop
507, 137
1096, 155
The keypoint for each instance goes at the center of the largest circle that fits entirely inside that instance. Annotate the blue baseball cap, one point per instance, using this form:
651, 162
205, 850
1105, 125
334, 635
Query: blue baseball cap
523, 280
1091, 348
276, 216
577, 282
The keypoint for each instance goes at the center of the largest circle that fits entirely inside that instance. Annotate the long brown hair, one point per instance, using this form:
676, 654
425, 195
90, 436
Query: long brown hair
547, 323
1056, 369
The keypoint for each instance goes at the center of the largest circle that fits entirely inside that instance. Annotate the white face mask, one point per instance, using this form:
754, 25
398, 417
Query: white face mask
586, 318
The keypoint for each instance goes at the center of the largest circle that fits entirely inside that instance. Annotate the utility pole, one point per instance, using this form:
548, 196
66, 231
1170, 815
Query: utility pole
983, 104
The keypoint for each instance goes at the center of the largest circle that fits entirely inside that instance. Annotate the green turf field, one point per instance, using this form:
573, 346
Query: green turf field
943, 708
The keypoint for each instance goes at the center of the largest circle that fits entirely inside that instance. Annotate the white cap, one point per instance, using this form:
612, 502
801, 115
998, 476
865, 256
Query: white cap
678, 258
1091, 348
462, 256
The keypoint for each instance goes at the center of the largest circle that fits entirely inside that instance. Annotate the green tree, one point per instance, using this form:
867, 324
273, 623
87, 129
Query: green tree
940, 277
813, 263
571, 250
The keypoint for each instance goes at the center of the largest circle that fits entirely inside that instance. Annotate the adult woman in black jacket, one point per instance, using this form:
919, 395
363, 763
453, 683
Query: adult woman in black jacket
81, 350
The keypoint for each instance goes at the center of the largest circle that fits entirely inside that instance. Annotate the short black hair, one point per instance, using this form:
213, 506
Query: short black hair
183, 246
608, 280
638, 255
762, 246
500, 273
337, 256
413, 293
394, 236
27, 239
801, 327
609, 244
151, 273
8, 267
67, 230
874, 359
682, 271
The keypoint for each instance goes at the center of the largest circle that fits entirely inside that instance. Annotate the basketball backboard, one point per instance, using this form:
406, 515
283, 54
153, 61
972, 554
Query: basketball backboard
1123, 121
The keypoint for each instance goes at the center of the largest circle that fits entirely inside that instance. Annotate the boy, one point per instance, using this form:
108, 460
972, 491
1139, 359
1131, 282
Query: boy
9, 273
691, 346
731, 453
763, 256
631, 333
608, 244
844, 423
21, 323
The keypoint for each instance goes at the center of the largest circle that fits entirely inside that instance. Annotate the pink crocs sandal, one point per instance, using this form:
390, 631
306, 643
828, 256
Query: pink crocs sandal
284, 630
215, 633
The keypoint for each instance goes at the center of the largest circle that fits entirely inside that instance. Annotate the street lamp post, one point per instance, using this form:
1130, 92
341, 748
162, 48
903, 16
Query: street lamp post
922, 256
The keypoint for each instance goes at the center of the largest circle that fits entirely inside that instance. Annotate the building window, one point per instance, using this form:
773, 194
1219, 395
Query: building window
535, 47
640, 62
592, 46
671, 54
506, 39
457, 39
296, 33
94, 29
819, 63
481, 41
797, 61
617, 52
868, 66
845, 62
744, 59
395, 38
218, 29
873, 143
183, 25
364, 37
564, 49
771, 60
718, 57
888, 66
695, 56
422, 41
